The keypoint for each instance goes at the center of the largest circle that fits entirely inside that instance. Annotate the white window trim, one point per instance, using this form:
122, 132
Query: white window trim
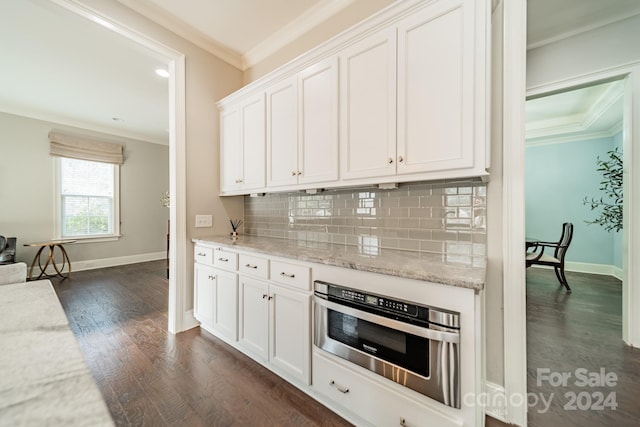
57, 209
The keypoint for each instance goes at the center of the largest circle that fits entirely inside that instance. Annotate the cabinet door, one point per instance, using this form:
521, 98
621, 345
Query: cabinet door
282, 133
318, 123
230, 149
290, 325
253, 143
368, 107
436, 88
225, 314
254, 314
203, 297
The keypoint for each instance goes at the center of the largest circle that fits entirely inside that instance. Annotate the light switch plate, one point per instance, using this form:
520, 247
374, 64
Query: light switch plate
204, 220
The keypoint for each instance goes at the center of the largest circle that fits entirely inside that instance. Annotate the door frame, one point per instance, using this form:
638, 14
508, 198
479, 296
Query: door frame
177, 155
630, 74
513, 209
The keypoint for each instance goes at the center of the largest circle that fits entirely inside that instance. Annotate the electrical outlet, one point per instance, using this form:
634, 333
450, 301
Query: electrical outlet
204, 220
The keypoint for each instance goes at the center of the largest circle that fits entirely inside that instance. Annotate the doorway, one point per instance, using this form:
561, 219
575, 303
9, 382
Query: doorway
579, 333
177, 155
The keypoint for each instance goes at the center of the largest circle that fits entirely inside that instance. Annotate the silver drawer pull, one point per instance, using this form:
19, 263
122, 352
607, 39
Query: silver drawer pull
264, 296
212, 277
201, 254
250, 266
223, 259
290, 275
403, 422
338, 387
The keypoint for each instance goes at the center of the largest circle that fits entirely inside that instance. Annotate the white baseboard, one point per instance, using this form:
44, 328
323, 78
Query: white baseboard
617, 272
107, 262
496, 402
585, 267
190, 321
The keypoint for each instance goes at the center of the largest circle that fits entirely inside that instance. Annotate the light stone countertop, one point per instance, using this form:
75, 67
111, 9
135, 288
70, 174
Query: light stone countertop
430, 267
44, 379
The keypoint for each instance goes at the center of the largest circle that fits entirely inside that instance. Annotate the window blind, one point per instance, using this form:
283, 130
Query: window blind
83, 148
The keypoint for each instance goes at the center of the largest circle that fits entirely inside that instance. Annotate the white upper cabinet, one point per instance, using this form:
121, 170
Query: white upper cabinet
318, 123
368, 107
242, 146
230, 149
282, 133
437, 70
302, 127
400, 97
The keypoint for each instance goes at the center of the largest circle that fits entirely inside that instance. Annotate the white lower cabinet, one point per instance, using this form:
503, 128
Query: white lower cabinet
253, 313
290, 335
204, 288
225, 300
216, 300
275, 324
371, 403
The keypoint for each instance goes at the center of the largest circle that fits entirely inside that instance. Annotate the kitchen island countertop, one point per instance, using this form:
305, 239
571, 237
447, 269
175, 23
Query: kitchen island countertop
45, 380
432, 267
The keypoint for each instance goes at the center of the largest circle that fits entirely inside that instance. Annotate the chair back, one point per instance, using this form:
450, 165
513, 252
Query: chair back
565, 241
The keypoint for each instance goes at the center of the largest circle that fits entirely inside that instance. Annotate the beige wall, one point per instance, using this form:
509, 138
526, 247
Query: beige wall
27, 188
351, 15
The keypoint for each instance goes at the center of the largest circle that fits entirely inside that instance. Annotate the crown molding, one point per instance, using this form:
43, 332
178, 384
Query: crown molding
184, 30
557, 128
293, 30
574, 137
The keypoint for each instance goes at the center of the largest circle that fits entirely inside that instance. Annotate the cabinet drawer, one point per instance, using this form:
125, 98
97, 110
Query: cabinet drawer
296, 276
203, 255
355, 393
254, 266
225, 259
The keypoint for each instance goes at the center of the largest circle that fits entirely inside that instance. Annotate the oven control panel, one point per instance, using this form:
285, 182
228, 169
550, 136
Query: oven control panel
388, 304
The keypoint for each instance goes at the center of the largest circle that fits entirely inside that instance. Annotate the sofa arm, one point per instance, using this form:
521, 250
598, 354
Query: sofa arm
13, 273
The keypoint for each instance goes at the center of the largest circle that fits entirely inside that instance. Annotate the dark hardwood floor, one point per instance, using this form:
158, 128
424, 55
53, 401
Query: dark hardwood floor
149, 377
579, 330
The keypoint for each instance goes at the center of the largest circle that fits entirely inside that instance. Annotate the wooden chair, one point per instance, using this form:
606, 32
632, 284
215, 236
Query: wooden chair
538, 257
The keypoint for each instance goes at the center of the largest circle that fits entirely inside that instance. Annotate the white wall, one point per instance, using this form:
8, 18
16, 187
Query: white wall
600, 49
27, 192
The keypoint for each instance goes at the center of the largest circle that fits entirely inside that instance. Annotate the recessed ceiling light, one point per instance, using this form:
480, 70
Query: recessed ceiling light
162, 72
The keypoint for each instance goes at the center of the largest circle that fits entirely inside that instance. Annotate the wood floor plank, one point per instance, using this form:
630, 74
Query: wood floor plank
579, 330
150, 377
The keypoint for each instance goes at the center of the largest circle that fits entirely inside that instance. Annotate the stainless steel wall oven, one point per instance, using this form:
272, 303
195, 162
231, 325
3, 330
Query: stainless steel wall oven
414, 345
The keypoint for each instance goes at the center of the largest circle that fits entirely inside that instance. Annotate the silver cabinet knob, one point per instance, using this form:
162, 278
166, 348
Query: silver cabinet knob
400, 159
293, 173
299, 172
390, 160
338, 387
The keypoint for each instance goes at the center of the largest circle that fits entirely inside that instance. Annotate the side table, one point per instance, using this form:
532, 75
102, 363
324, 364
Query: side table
51, 260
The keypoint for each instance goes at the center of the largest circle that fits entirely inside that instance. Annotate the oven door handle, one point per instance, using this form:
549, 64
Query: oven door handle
432, 334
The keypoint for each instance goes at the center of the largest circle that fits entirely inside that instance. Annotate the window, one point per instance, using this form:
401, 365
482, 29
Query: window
87, 204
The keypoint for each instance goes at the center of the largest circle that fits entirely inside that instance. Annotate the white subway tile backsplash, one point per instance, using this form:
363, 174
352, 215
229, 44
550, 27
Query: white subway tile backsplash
447, 217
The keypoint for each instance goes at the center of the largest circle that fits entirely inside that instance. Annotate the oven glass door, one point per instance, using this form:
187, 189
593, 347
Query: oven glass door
401, 348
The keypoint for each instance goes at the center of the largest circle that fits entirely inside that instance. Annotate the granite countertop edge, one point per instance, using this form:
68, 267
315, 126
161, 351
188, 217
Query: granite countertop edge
416, 266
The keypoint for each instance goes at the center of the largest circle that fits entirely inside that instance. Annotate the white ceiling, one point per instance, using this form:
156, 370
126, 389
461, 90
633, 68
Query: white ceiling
64, 68
577, 115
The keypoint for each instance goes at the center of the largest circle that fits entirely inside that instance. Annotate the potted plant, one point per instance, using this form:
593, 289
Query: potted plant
610, 204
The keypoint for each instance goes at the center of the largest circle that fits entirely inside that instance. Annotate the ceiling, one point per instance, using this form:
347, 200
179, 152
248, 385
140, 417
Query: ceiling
51, 70
577, 115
